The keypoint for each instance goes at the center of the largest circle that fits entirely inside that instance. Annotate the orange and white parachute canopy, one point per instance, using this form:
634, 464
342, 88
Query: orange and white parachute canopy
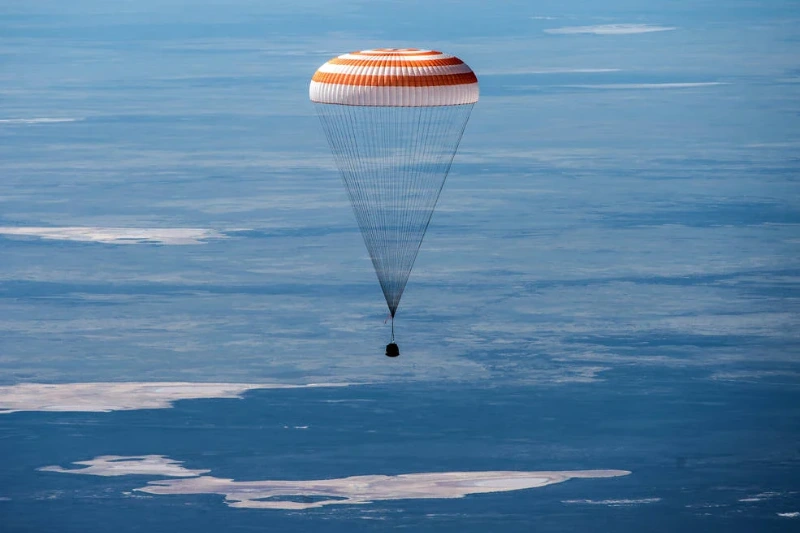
394, 77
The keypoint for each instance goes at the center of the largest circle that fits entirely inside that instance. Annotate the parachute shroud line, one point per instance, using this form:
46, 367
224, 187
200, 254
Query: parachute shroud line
393, 162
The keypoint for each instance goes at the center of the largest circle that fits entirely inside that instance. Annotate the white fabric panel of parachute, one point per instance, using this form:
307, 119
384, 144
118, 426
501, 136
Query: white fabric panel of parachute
394, 119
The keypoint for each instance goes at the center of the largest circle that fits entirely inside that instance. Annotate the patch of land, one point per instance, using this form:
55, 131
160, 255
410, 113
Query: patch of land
277, 494
117, 235
113, 396
116, 465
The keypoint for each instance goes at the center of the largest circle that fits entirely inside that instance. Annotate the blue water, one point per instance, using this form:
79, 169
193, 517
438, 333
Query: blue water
610, 280
695, 449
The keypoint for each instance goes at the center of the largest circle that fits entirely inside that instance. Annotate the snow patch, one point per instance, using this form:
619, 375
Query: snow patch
615, 503
37, 120
630, 86
103, 397
610, 29
355, 490
117, 465
116, 235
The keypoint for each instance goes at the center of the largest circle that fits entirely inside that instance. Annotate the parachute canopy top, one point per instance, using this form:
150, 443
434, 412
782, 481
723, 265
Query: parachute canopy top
394, 77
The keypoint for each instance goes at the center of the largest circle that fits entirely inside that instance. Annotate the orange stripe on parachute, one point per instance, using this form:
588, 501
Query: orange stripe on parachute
390, 52
366, 80
446, 62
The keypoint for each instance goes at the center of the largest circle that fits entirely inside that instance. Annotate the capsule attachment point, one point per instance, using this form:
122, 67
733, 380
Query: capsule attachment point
392, 350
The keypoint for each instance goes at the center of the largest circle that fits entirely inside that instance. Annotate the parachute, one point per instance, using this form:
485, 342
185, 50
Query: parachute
394, 118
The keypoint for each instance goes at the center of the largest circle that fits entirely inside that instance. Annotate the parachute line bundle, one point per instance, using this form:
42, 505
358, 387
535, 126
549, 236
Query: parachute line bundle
394, 119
